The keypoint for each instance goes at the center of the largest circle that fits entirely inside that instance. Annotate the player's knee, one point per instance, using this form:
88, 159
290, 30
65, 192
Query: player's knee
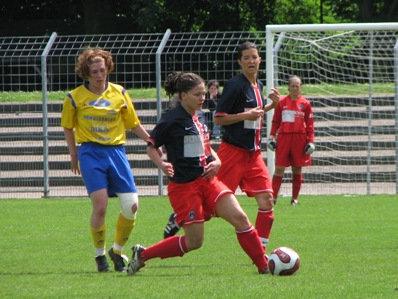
242, 221
99, 211
128, 204
265, 201
268, 196
134, 208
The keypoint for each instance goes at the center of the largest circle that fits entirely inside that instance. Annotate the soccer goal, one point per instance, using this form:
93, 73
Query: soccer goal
349, 73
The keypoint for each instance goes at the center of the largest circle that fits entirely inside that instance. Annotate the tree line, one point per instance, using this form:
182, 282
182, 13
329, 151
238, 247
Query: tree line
41, 17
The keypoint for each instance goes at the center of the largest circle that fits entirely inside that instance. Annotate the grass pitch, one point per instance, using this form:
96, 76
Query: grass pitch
348, 248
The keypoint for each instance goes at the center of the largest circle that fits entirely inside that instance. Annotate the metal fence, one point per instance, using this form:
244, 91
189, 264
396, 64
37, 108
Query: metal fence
211, 54
34, 157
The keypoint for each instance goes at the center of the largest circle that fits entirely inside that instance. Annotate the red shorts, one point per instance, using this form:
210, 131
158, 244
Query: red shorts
195, 201
290, 150
243, 168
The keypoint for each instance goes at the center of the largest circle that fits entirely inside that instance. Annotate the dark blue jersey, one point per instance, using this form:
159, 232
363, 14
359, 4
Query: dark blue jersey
186, 139
238, 96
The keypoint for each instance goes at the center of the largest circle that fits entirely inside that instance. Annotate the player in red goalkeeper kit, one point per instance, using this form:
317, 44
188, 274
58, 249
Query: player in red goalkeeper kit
292, 138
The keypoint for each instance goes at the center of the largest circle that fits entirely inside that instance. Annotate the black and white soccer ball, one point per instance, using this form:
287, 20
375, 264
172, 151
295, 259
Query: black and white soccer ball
283, 261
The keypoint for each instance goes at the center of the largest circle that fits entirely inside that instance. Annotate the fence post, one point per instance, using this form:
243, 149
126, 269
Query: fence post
159, 95
396, 114
44, 55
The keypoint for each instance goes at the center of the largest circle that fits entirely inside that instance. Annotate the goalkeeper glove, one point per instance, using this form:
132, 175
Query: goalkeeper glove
271, 144
309, 148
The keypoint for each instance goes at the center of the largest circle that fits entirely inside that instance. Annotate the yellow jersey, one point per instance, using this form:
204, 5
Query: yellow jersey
103, 118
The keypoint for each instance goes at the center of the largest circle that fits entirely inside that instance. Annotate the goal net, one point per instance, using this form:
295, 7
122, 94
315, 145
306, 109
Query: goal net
349, 73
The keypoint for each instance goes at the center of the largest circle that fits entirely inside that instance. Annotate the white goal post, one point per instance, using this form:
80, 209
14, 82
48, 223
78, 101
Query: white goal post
349, 73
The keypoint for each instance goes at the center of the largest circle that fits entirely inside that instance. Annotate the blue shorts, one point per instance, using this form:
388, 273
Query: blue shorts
104, 166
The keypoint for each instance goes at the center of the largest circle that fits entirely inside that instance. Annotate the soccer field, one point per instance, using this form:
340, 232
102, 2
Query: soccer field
348, 247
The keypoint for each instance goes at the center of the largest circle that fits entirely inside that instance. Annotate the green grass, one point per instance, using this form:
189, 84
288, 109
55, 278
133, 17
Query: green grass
348, 248
150, 93
37, 96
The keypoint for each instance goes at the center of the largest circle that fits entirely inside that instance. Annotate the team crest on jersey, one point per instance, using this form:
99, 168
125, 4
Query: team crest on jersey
191, 215
301, 107
99, 103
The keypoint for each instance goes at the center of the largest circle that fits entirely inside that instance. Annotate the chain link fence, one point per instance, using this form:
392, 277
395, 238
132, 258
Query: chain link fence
34, 159
34, 156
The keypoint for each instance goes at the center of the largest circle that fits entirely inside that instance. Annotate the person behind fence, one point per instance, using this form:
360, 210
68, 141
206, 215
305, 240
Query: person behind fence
194, 190
96, 115
212, 95
292, 138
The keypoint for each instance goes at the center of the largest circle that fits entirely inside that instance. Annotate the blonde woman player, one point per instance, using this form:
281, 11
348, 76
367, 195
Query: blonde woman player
96, 116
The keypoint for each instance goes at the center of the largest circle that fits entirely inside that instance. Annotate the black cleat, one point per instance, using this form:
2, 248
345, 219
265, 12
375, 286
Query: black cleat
171, 227
102, 263
117, 260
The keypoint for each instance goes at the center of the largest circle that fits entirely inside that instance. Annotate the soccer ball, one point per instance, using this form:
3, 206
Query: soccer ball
283, 261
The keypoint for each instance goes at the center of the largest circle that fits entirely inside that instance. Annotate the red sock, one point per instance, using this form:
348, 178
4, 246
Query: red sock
250, 243
276, 185
264, 221
296, 185
170, 247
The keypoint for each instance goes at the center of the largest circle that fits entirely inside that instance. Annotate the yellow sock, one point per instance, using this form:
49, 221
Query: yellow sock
99, 235
124, 227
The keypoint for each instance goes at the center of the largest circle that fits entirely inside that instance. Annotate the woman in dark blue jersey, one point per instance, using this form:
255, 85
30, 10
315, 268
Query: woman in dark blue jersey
194, 190
240, 110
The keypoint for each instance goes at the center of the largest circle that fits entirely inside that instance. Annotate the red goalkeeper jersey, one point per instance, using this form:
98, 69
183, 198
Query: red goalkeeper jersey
293, 117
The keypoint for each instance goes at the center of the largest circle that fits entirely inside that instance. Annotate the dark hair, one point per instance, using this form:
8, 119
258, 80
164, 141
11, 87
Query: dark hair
246, 46
213, 83
90, 56
178, 82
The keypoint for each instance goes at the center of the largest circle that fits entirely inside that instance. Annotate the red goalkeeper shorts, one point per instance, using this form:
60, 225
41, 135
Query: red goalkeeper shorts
290, 150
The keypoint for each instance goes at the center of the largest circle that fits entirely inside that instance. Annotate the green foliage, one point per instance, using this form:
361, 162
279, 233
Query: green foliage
347, 11
68, 17
297, 12
347, 246
40, 17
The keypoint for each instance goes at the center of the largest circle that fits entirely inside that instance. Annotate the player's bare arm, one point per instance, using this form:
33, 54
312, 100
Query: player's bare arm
144, 135
166, 167
141, 132
252, 114
70, 141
